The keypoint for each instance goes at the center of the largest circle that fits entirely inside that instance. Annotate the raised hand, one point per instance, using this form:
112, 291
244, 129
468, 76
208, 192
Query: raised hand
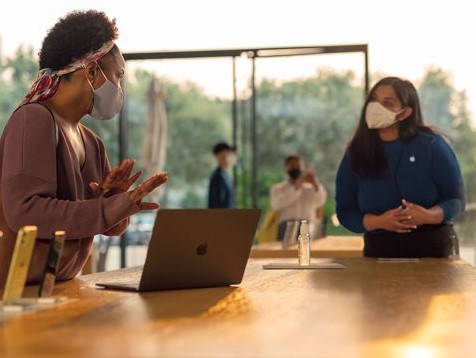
148, 186
119, 180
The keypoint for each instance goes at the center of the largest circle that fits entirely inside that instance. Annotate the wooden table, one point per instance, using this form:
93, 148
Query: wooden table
370, 309
330, 246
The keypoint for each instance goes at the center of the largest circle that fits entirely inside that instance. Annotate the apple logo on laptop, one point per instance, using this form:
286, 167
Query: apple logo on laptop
202, 249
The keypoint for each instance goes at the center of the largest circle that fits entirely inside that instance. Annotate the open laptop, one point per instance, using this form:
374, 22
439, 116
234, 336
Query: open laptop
193, 248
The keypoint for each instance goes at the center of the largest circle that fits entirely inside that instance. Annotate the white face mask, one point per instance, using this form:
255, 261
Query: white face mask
107, 99
378, 117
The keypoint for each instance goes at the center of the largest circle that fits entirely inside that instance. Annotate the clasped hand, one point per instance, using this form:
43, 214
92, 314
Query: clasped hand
407, 217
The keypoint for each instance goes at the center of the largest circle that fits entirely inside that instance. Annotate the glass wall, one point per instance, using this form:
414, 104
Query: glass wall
307, 104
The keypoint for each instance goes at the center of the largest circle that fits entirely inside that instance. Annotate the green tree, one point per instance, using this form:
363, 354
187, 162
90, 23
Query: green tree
464, 142
436, 95
446, 108
16, 76
195, 122
314, 117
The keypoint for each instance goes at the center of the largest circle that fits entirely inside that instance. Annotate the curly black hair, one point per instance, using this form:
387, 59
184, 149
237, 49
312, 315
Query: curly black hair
75, 35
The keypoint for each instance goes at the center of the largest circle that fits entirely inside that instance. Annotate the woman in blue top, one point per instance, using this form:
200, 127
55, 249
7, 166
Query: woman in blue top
399, 181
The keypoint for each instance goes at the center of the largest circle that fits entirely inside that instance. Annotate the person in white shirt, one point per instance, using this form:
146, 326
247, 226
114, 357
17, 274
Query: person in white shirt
298, 197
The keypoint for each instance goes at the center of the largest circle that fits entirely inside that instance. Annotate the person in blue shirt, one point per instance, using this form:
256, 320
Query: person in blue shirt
220, 191
399, 181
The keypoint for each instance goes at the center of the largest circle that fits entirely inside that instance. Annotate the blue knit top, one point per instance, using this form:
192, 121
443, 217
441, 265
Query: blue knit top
424, 171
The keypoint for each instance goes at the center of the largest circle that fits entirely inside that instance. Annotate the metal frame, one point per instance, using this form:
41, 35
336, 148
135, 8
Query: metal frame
252, 54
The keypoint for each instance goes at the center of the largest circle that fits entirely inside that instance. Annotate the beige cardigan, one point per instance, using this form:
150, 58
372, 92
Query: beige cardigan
42, 184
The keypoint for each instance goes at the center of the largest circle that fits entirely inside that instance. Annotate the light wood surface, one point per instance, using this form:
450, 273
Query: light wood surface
370, 309
330, 246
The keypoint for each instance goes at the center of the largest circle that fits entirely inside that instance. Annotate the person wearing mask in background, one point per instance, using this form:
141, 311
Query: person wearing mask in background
298, 197
220, 191
399, 181
54, 171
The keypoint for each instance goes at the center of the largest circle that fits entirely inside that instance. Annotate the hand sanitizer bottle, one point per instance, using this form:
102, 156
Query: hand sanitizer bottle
304, 242
454, 255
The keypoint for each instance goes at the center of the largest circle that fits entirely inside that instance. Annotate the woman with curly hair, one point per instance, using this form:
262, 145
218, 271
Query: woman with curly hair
54, 171
399, 182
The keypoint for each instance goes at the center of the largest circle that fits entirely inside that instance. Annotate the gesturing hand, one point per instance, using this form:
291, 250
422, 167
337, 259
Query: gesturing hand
119, 180
148, 186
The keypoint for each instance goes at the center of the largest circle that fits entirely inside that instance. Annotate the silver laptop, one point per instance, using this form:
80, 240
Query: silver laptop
193, 248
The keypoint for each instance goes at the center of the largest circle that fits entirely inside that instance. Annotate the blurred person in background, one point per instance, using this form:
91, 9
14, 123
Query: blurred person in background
298, 197
221, 192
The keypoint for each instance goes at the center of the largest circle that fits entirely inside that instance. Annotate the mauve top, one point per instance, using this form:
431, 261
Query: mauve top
43, 184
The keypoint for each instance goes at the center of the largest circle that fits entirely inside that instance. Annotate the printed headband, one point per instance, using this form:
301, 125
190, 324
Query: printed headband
47, 81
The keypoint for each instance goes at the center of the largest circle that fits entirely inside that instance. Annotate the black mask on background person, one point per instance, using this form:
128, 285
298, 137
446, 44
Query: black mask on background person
294, 173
